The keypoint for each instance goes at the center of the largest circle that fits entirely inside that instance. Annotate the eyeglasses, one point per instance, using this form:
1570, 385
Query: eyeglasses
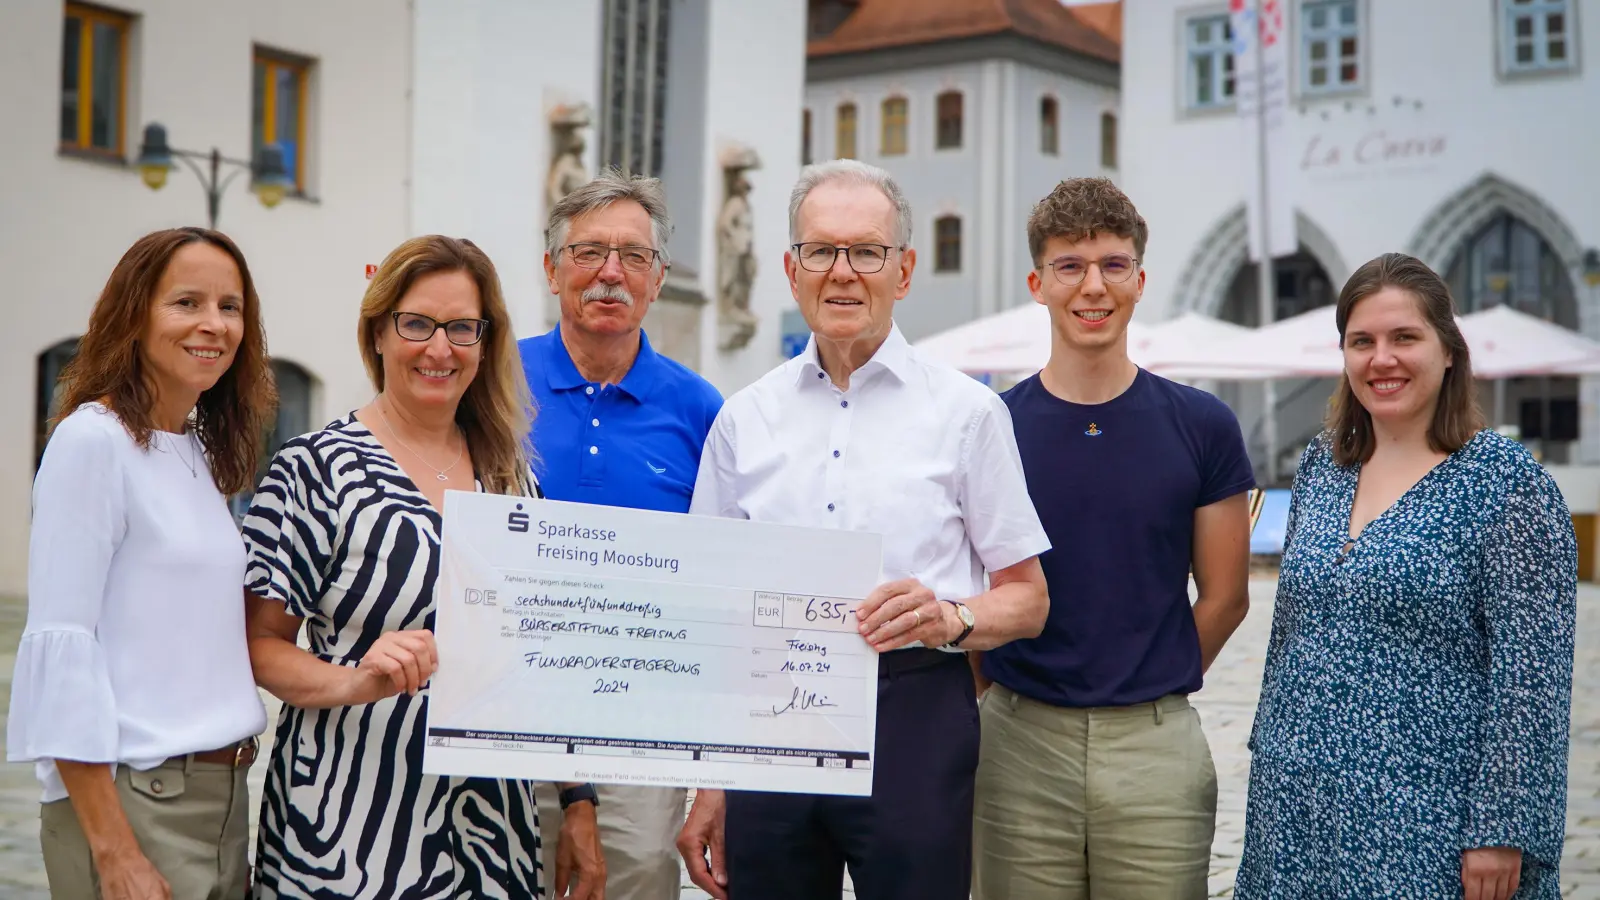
418, 327
633, 257
1114, 268
864, 259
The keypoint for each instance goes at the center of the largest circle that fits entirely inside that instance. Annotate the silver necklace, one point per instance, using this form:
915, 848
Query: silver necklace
441, 474
193, 472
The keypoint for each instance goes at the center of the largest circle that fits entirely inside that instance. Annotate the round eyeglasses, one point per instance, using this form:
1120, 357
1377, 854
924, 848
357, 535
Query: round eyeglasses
819, 256
593, 256
1114, 268
418, 327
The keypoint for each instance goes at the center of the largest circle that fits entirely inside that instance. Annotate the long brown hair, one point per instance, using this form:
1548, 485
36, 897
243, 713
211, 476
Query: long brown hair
496, 412
1457, 417
230, 418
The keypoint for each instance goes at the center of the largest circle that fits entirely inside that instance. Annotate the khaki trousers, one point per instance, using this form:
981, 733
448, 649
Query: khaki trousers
192, 821
638, 832
1109, 803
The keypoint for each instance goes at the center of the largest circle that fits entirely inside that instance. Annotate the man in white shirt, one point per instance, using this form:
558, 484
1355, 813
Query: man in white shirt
861, 433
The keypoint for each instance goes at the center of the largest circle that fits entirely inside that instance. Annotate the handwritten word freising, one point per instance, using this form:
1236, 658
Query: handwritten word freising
591, 604
657, 634
669, 666
807, 647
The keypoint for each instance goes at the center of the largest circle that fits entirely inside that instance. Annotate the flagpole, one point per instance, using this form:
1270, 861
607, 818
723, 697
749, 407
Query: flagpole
1266, 285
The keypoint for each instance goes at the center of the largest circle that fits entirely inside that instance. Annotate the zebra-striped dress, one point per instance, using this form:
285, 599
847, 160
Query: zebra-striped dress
342, 537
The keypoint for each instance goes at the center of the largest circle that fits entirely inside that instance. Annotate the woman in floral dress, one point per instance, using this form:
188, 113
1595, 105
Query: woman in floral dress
1411, 739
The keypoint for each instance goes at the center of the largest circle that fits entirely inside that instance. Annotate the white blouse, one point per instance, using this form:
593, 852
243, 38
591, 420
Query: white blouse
134, 650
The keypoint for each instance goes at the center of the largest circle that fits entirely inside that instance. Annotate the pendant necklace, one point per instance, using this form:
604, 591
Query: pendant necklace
193, 472
441, 474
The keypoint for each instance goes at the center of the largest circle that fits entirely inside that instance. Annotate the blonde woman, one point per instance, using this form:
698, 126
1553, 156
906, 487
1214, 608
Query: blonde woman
343, 539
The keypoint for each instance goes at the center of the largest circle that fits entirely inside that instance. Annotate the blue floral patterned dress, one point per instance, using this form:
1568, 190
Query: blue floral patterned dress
1417, 688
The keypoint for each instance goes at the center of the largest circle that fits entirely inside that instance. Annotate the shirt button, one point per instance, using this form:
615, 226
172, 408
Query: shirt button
595, 422
830, 507
589, 389
593, 450
821, 375
835, 454
844, 404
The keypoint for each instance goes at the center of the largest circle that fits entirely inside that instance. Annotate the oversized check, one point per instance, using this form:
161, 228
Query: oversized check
592, 643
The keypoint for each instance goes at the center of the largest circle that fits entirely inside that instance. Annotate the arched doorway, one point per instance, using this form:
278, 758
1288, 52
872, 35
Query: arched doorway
1301, 284
47, 392
296, 389
1506, 262
1497, 242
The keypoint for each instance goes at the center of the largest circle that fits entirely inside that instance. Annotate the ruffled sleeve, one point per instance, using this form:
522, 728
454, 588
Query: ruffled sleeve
1527, 597
62, 704
290, 529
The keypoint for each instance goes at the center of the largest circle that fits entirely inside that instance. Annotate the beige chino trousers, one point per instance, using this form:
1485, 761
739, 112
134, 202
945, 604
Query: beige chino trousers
638, 832
192, 821
1108, 803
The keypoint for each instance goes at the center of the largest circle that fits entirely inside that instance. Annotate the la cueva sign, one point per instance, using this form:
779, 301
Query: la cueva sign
1370, 151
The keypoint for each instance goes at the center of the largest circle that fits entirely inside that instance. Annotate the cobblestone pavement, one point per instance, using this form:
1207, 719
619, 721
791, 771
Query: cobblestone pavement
1227, 705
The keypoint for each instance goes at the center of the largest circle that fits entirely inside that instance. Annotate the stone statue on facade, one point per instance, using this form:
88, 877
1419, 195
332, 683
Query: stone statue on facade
736, 259
566, 152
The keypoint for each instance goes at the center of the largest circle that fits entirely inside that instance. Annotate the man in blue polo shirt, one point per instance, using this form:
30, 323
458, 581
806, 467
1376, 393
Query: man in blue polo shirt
1094, 777
620, 425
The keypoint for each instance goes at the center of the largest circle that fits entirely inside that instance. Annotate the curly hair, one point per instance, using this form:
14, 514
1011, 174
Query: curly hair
1081, 208
231, 418
496, 413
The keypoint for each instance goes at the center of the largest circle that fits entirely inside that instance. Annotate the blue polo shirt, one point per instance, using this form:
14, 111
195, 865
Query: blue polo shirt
635, 444
1116, 485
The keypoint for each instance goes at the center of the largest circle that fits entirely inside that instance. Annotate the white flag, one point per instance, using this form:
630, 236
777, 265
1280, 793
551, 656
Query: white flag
1261, 87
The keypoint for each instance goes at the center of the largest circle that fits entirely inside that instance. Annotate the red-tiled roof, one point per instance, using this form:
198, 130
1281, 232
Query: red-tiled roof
1093, 30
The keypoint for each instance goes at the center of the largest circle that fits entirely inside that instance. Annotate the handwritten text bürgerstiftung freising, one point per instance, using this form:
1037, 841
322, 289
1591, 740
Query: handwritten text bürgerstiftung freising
594, 556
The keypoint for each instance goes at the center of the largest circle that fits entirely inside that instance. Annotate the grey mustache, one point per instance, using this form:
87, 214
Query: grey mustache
608, 292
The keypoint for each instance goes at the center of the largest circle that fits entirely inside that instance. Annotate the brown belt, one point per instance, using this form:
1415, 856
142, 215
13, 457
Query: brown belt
236, 755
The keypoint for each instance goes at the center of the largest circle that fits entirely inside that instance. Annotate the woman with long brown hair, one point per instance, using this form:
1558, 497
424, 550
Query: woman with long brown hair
343, 538
1411, 738
133, 693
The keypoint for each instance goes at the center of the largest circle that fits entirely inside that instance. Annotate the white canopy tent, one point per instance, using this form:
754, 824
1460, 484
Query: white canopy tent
1506, 343
1017, 342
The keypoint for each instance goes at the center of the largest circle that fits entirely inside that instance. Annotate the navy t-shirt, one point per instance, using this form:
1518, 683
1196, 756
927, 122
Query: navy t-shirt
1116, 485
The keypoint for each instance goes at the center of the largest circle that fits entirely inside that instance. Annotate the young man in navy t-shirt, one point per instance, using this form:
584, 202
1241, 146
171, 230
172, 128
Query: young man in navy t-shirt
1095, 778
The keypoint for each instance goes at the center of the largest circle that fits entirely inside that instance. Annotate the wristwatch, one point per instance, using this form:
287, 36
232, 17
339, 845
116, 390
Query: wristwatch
964, 613
578, 794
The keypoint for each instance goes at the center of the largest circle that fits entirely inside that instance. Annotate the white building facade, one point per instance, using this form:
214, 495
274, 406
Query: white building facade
1462, 133
977, 124
396, 119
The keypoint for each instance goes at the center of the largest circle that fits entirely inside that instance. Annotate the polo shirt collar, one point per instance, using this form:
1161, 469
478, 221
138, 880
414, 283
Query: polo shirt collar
563, 375
892, 356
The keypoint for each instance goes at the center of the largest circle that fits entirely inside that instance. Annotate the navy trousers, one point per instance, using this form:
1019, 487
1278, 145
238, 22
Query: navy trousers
912, 839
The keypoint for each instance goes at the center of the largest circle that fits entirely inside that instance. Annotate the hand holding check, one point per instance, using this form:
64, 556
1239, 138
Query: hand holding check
899, 612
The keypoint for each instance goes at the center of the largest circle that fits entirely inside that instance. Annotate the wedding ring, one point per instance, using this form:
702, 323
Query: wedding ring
918, 614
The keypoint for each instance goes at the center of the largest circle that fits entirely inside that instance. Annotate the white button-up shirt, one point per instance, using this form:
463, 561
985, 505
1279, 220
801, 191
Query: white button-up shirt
914, 451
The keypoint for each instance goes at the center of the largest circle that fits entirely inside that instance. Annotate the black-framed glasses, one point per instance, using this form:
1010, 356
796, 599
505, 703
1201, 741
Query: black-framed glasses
418, 327
1114, 268
819, 256
633, 257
